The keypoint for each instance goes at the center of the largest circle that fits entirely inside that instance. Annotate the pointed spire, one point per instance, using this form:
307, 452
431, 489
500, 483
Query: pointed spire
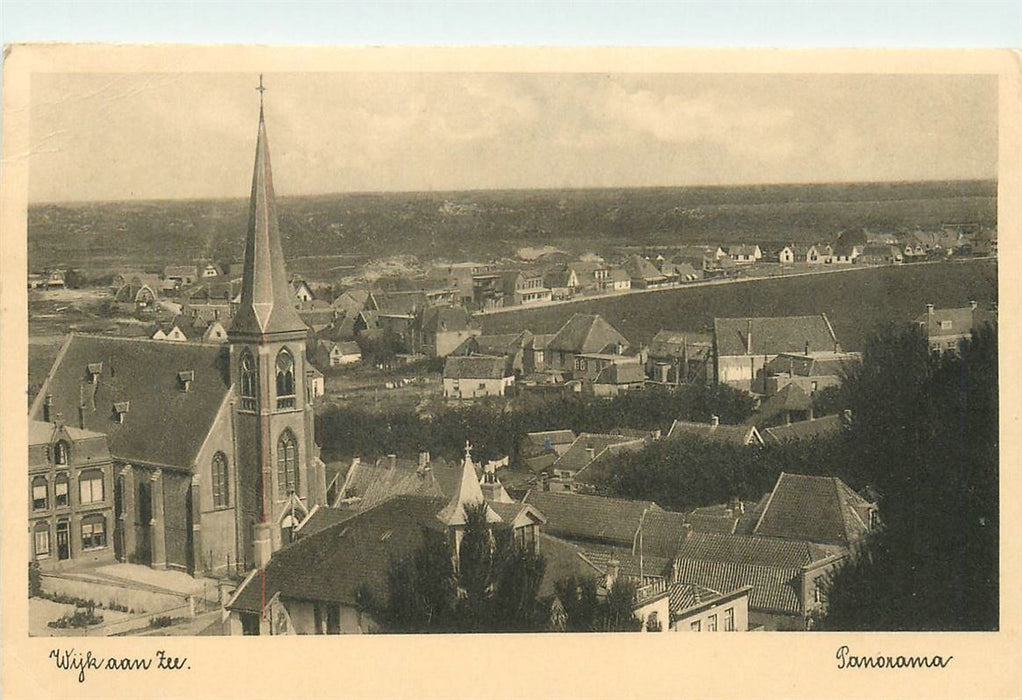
267, 306
466, 493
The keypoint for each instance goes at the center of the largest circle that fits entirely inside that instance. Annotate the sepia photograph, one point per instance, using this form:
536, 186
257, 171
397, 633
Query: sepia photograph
532, 347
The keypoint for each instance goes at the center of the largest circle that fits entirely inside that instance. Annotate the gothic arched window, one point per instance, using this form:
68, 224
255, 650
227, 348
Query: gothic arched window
287, 464
285, 379
248, 382
221, 491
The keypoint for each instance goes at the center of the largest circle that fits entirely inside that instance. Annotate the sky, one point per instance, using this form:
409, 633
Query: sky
173, 136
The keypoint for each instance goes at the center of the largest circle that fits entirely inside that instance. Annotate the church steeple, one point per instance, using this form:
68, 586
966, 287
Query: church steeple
267, 305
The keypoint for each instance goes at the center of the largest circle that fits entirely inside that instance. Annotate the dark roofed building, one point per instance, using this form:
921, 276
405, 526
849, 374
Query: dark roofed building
715, 431
789, 404
476, 376
742, 346
590, 519
819, 509
805, 430
444, 328
947, 329
582, 333
586, 449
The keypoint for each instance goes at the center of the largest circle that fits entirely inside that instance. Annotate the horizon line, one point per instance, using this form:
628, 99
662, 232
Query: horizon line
243, 197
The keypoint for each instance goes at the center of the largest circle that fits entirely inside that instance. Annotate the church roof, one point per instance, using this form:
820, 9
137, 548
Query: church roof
267, 300
165, 423
467, 492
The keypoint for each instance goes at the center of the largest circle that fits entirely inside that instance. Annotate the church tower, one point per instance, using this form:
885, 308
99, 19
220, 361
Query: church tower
280, 476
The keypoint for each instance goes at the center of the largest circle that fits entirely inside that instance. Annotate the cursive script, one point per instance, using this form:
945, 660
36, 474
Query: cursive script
71, 660
845, 659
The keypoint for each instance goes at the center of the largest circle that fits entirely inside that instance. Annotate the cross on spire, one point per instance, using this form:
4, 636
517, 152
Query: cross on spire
260, 90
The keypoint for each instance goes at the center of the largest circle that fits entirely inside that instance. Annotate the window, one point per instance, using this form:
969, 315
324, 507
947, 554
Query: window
60, 491
696, 626
90, 487
482, 386
711, 623
61, 452
729, 620
93, 532
874, 520
248, 382
812, 386
40, 493
580, 364
221, 497
285, 379
287, 464
945, 325
41, 540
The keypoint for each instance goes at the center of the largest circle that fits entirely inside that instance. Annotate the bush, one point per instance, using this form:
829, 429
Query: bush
83, 617
161, 621
35, 580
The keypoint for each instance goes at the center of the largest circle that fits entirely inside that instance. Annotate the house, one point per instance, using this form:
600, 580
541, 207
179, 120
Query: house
619, 377
652, 603
212, 446
947, 329
582, 333
523, 287
179, 276
643, 274
514, 346
811, 372
881, 254
71, 494
539, 450
984, 242
444, 328
534, 352
790, 404
786, 255
142, 291
585, 450
337, 354
590, 520
216, 332
743, 346
745, 254
677, 357
476, 376
302, 292
487, 290
696, 608
805, 430
562, 282
617, 279
313, 586
715, 431
844, 254
591, 276
817, 254
703, 258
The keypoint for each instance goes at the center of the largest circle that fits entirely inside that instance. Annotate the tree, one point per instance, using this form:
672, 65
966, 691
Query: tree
586, 610
494, 588
926, 426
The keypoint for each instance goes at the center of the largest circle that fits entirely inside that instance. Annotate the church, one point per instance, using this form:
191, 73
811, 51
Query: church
212, 456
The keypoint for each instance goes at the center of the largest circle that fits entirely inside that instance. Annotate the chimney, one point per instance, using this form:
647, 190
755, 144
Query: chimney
613, 568
748, 338
973, 305
391, 461
591, 453
929, 310
714, 421
807, 347
846, 416
48, 408
424, 460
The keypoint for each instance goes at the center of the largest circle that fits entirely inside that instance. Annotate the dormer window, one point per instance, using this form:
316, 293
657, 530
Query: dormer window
121, 410
61, 452
185, 378
285, 379
94, 369
945, 325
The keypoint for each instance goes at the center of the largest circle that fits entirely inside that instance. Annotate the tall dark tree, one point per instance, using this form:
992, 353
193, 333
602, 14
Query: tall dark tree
927, 426
586, 609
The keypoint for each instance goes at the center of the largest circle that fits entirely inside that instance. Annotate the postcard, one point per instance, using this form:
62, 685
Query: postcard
460, 371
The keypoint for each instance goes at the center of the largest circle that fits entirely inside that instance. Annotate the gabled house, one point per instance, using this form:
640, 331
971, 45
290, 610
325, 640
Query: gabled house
444, 328
806, 429
677, 357
790, 404
715, 431
745, 254
585, 450
590, 520
617, 279
476, 376
581, 334
539, 450
562, 282
336, 354
947, 329
513, 346
523, 287
643, 274
743, 346
811, 372
881, 254
618, 377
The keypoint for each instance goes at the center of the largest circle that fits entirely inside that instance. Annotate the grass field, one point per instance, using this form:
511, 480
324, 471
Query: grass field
855, 301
